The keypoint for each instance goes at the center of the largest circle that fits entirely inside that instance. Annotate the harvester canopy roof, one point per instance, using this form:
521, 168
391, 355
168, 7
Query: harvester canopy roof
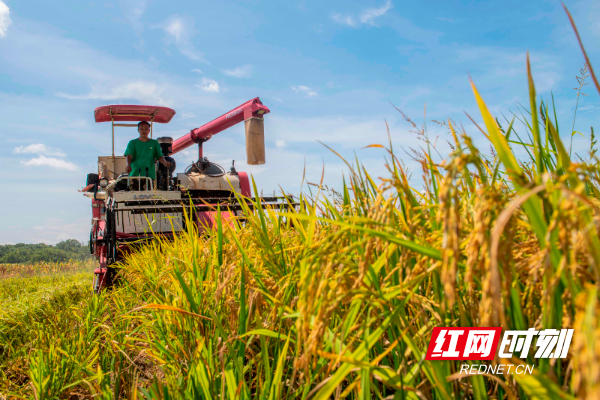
124, 112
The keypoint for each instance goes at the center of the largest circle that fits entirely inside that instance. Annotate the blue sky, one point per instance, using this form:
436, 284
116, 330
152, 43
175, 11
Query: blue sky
328, 71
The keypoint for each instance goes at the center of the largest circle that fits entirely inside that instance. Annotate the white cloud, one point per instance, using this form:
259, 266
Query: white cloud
304, 89
193, 54
51, 162
410, 96
4, 19
239, 72
38, 148
197, 71
352, 132
209, 85
588, 108
79, 72
369, 15
344, 20
134, 10
280, 143
505, 64
545, 81
143, 91
48, 230
179, 30
176, 28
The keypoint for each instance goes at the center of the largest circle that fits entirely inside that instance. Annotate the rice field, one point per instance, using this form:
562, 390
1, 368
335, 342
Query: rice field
33, 298
337, 299
44, 268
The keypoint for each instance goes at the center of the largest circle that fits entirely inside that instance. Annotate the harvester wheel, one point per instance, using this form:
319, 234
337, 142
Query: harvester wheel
91, 244
113, 234
110, 235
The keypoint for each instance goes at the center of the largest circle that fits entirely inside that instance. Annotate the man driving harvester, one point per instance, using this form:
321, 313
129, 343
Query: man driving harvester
142, 153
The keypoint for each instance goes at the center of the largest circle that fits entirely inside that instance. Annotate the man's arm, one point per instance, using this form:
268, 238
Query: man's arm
160, 157
164, 162
129, 153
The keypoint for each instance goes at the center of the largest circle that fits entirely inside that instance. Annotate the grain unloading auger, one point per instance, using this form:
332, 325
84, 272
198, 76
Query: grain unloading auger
131, 209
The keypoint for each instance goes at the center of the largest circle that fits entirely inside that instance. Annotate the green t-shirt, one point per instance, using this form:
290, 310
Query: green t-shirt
144, 155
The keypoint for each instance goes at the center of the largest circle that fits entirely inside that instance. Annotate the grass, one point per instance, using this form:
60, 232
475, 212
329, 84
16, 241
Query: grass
338, 298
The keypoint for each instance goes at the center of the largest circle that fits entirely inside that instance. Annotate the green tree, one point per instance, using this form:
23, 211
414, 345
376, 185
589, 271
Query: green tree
26, 253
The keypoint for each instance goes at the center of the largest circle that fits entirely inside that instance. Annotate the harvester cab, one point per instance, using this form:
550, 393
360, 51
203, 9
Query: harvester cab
129, 209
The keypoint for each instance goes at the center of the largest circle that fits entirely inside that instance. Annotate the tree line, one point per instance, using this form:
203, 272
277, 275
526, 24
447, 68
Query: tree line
66, 250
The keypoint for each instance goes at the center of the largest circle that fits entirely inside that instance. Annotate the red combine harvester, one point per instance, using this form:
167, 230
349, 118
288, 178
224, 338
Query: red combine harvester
131, 209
